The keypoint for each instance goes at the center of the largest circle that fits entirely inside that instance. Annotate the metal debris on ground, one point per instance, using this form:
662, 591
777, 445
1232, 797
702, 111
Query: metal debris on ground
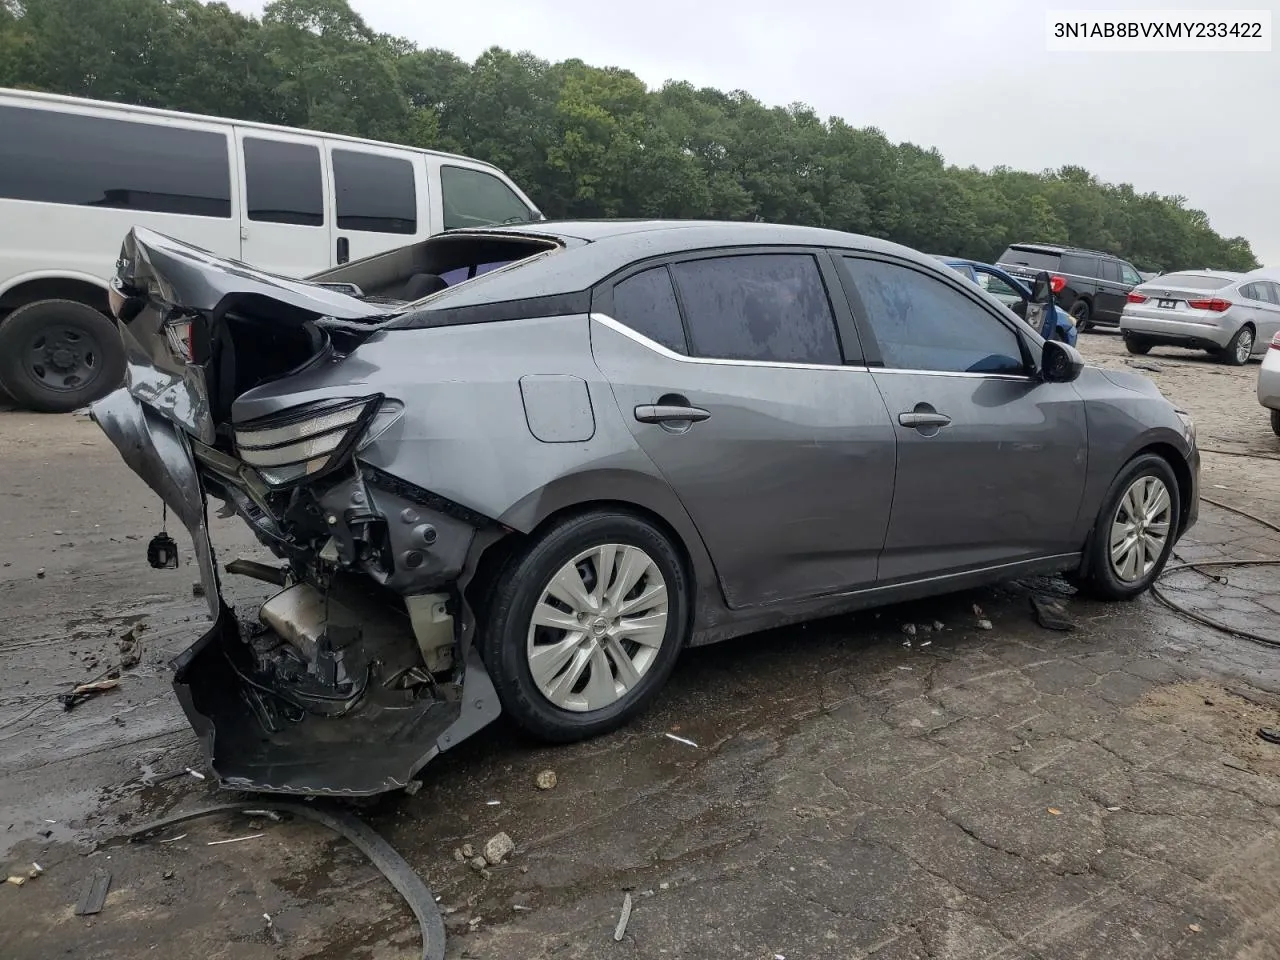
252, 836
94, 893
499, 847
546, 780
621, 929
82, 692
1051, 614
672, 736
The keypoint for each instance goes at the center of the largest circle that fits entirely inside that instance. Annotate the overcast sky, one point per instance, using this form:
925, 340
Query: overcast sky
970, 77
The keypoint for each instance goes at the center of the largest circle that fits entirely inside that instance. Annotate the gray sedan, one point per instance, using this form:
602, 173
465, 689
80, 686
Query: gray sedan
1231, 315
527, 492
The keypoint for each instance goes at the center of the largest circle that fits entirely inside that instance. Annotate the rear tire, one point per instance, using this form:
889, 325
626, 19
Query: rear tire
1240, 349
557, 704
1142, 505
1136, 346
59, 355
1082, 312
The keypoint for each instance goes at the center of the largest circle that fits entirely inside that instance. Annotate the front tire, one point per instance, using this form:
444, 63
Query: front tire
586, 624
1240, 349
59, 355
1135, 530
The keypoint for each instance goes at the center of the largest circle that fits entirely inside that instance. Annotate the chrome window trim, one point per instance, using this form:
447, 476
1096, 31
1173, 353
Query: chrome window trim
617, 326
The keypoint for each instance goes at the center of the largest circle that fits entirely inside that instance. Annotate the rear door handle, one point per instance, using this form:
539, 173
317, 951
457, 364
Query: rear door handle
668, 413
918, 420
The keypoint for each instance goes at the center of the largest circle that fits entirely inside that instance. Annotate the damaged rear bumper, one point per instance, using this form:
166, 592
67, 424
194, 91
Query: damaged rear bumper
358, 713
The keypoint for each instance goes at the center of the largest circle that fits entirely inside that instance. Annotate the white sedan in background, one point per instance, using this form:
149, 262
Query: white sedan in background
1269, 383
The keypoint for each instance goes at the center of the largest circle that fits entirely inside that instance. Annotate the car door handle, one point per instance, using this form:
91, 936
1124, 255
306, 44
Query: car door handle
918, 420
670, 413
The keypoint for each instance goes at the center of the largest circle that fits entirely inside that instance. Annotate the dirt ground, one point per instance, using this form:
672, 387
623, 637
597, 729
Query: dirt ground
1009, 793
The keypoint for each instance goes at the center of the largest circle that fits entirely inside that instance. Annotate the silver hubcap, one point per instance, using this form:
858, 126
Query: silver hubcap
1140, 528
598, 627
1244, 346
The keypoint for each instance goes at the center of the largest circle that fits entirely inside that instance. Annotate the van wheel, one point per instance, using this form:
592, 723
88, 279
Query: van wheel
586, 624
1081, 311
1135, 530
58, 355
1275, 422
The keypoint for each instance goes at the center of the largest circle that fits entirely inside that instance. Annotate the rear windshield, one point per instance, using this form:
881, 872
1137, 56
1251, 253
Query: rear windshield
1193, 281
1039, 259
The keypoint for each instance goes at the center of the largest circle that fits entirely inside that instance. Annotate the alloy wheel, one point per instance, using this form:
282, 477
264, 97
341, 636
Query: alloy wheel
1140, 528
1244, 346
597, 627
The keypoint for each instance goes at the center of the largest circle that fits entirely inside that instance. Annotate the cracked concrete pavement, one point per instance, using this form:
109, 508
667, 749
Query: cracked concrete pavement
1009, 793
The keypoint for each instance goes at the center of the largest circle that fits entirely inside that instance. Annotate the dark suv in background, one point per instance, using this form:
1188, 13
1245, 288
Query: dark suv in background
1090, 285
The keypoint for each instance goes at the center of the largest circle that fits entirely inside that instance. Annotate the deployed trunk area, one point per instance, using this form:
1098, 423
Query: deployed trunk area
355, 674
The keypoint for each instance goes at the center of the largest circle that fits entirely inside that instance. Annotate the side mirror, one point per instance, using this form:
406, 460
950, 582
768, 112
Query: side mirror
1042, 288
1060, 363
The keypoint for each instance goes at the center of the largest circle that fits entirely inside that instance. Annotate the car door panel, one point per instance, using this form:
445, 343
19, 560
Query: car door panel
1000, 482
789, 478
991, 461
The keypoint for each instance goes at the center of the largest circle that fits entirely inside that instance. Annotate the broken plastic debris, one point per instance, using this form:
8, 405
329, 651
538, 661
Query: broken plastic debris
36, 870
195, 773
16, 881
493, 803
520, 906
252, 836
672, 736
1055, 811
621, 930
1113, 809
1194, 927
927, 643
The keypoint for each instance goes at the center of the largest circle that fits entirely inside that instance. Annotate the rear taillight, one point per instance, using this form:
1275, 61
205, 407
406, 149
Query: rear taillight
1275, 342
1136, 297
1057, 283
1216, 305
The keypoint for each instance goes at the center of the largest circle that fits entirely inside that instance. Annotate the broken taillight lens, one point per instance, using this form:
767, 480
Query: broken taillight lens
303, 441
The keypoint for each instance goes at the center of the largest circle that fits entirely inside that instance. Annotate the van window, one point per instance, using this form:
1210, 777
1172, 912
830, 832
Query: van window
283, 182
52, 157
473, 198
374, 193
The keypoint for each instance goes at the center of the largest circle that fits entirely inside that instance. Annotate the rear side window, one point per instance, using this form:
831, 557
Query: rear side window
283, 182
1110, 271
473, 198
647, 304
89, 161
374, 193
1036, 259
1076, 265
921, 323
766, 307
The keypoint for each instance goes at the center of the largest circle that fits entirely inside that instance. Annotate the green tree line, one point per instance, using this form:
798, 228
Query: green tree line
583, 141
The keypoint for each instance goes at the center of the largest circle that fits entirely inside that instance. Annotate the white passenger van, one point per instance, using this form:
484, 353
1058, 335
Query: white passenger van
76, 175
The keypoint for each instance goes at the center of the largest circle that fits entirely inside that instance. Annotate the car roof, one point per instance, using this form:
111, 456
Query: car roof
595, 249
1216, 274
1059, 248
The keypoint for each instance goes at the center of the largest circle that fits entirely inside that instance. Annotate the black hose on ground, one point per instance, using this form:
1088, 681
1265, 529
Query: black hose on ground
364, 838
1209, 621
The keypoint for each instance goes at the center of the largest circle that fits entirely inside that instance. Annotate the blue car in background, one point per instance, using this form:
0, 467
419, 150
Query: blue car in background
1014, 294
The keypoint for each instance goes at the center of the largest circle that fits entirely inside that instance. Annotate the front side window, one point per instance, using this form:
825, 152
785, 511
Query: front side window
765, 307
283, 182
922, 323
473, 198
374, 193
49, 156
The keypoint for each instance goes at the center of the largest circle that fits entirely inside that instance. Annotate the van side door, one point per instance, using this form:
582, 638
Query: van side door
380, 199
285, 214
